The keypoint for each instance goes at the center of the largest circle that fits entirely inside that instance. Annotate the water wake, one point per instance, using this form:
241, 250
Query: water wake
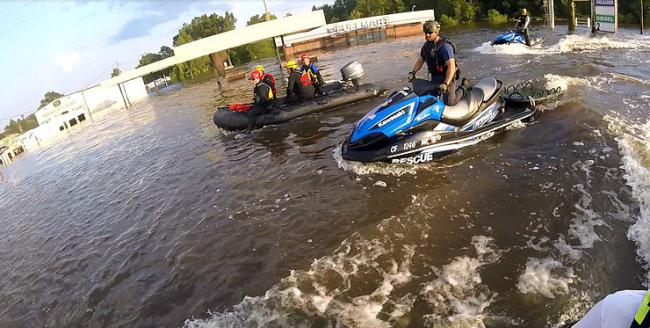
569, 43
636, 162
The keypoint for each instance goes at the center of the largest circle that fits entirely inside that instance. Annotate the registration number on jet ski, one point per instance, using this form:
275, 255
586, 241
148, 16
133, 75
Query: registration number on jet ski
420, 158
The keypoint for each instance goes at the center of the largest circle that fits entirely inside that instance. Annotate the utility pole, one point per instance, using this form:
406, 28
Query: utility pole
641, 16
277, 51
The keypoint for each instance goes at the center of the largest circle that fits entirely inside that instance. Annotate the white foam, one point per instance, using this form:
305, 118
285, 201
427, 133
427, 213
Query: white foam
371, 168
509, 49
304, 294
636, 162
563, 82
569, 43
380, 183
581, 43
458, 296
585, 220
546, 276
516, 125
567, 250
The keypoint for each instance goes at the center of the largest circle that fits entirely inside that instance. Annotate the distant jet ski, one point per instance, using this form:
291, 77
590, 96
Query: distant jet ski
515, 36
336, 94
412, 126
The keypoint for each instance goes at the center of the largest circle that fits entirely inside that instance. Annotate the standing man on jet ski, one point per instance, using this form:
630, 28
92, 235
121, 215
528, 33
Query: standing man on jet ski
262, 97
439, 54
522, 25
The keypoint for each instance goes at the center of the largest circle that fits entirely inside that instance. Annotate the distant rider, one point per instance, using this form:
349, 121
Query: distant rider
522, 25
262, 97
439, 54
269, 79
299, 87
312, 73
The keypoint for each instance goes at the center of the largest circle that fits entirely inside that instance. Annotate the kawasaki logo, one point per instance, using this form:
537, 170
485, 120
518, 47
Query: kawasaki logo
391, 118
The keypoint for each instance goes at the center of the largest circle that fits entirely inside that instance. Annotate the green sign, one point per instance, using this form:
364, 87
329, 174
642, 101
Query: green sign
605, 19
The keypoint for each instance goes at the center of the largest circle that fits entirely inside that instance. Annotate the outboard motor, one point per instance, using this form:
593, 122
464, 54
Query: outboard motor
353, 72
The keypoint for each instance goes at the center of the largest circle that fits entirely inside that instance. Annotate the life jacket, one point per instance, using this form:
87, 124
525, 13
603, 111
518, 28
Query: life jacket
521, 22
240, 107
269, 79
642, 317
305, 78
437, 62
269, 95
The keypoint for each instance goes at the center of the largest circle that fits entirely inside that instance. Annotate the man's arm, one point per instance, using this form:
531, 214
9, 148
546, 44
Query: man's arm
418, 64
451, 71
290, 83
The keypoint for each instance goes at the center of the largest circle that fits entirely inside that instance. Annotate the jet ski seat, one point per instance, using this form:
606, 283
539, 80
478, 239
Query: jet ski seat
489, 85
465, 109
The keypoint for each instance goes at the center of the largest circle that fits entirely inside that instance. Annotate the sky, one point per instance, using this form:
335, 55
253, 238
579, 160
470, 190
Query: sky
65, 46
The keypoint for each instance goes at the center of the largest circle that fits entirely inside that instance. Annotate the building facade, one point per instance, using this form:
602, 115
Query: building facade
355, 32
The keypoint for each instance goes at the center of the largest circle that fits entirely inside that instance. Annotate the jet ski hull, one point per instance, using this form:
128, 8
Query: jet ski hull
514, 37
426, 146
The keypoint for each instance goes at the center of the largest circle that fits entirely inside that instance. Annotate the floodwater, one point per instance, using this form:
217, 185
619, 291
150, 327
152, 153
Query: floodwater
153, 217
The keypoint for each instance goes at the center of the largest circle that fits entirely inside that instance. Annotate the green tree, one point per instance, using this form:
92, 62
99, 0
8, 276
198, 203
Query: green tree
49, 97
465, 11
192, 68
200, 27
166, 52
495, 17
368, 8
260, 49
337, 12
149, 58
12, 127
259, 19
206, 25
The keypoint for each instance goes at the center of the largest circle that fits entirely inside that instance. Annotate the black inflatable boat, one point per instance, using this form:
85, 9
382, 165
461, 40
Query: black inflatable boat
337, 94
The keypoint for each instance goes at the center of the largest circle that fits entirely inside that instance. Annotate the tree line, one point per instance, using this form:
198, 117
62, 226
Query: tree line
451, 12
201, 27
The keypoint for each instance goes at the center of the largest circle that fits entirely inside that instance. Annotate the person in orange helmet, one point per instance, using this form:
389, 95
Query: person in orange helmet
262, 97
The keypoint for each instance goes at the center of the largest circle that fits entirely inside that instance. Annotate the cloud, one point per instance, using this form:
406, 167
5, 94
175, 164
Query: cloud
154, 13
66, 61
138, 27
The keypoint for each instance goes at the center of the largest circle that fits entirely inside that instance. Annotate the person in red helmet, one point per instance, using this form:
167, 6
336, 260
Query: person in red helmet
269, 79
312, 73
262, 97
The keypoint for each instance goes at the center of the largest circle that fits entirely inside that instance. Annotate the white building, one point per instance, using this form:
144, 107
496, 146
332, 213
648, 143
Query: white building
57, 118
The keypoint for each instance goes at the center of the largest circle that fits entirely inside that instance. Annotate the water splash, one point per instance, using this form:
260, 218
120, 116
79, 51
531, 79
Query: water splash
569, 43
458, 295
636, 162
546, 276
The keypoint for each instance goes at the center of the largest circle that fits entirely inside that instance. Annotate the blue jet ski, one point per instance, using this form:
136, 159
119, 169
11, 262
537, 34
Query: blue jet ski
514, 36
413, 126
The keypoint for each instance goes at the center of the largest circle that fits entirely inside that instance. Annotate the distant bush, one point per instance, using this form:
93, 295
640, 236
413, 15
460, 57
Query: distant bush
495, 17
447, 21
